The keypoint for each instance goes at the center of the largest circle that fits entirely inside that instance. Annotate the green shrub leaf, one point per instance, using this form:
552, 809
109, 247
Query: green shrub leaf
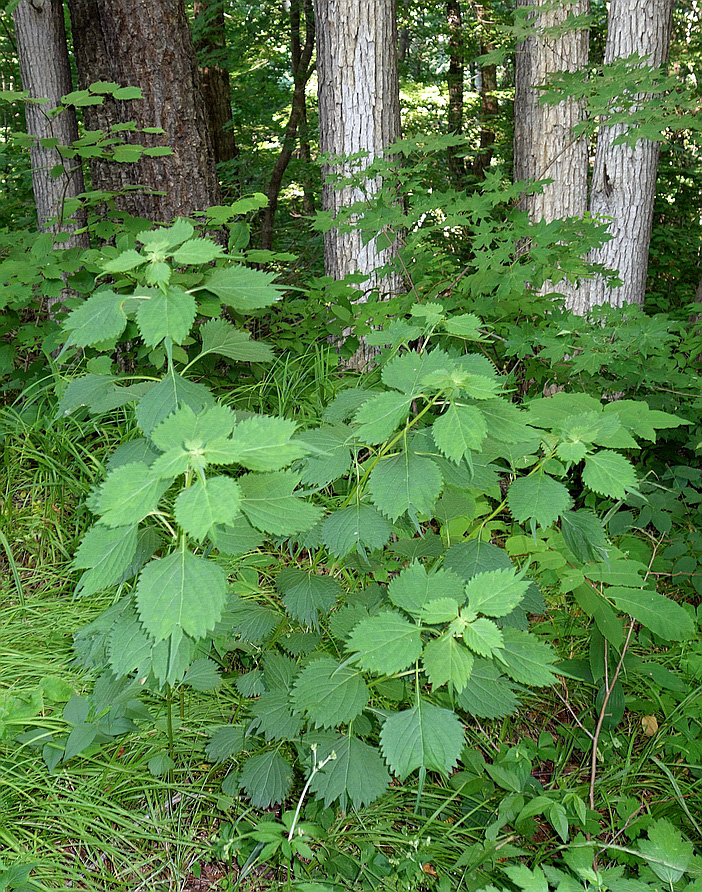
270, 506
242, 288
496, 593
662, 616
447, 660
386, 643
357, 773
379, 416
206, 503
425, 736
306, 595
266, 778
128, 494
405, 482
165, 314
539, 497
357, 525
330, 694
459, 430
609, 474
220, 337
487, 694
414, 588
100, 318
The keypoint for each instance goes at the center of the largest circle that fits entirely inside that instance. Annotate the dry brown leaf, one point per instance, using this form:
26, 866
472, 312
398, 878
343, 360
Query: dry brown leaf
649, 723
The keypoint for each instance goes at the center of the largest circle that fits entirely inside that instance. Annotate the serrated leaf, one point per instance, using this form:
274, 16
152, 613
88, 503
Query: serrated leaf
168, 395
263, 443
539, 497
242, 288
487, 694
237, 537
106, 553
329, 455
467, 325
266, 778
526, 659
357, 525
666, 851
273, 716
197, 250
662, 616
439, 611
609, 474
100, 318
425, 736
270, 506
447, 660
252, 621
180, 591
330, 694
206, 503
476, 556
160, 765
584, 534
165, 314
128, 494
459, 430
506, 422
380, 415
482, 636
405, 482
407, 372
125, 261
185, 429
166, 238
386, 643
220, 337
357, 773
496, 593
225, 742
306, 595
413, 588
128, 645
203, 675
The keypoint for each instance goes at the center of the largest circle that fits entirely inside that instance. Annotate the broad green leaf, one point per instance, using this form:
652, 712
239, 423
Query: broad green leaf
425, 736
220, 337
467, 325
273, 716
279, 671
186, 430
618, 572
487, 694
406, 373
237, 537
459, 430
180, 591
171, 657
386, 643
551, 412
197, 250
639, 418
506, 422
379, 416
128, 494
206, 503
439, 611
139, 450
125, 261
405, 482
306, 595
106, 552
526, 659
266, 778
447, 660
476, 556
166, 238
165, 314
263, 443
168, 395
100, 318
481, 636
666, 851
357, 525
242, 288
539, 497
225, 742
609, 474
328, 454
357, 773
251, 621
525, 879
269, 504
160, 765
128, 645
329, 693
343, 406
413, 588
605, 616
662, 616
496, 593
584, 534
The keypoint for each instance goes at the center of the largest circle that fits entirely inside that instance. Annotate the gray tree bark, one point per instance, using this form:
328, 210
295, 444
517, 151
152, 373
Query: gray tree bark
544, 147
624, 177
46, 74
147, 44
359, 111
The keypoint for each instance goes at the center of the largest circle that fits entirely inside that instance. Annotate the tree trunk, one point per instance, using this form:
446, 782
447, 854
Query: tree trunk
489, 107
359, 111
301, 57
147, 44
210, 48
544, 147
46, 74
454, 82
624, 178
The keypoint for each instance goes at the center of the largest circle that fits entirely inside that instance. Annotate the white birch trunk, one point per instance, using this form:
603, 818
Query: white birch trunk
624, 178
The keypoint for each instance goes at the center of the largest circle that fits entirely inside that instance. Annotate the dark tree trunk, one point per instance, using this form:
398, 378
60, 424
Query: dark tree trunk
489, 107
210, 49
46, 74
301, 56
455, 76
147, 44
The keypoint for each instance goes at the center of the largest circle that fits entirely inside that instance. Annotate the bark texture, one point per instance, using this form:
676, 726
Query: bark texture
544, 147
489, 109
301, 58
454, 82
210, 50
46, 74
147, 44
624, 178
359, 110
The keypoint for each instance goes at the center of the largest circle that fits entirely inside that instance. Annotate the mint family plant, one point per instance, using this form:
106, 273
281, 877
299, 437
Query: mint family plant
408, 618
